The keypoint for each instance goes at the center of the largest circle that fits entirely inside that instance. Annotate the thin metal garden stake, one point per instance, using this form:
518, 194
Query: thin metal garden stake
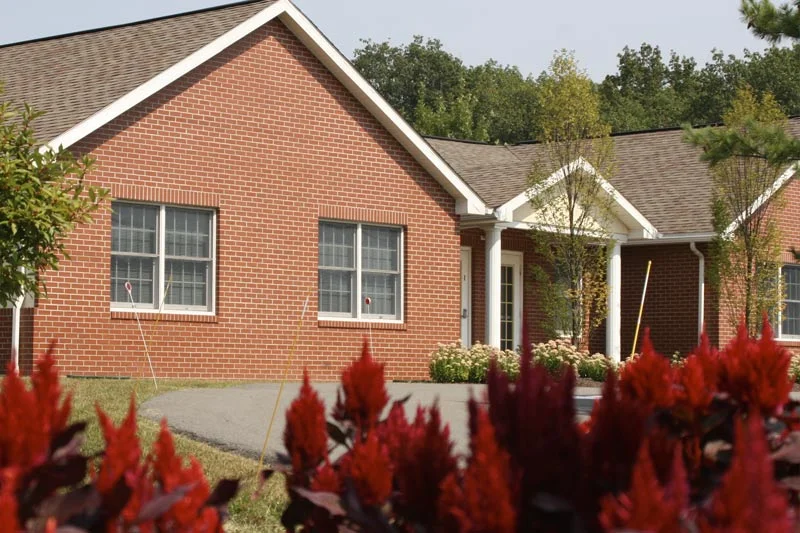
283, 381
129, 288
368, 301
641, 308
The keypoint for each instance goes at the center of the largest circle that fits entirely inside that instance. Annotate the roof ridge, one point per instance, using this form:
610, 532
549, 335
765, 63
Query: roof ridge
452, 139
135, 22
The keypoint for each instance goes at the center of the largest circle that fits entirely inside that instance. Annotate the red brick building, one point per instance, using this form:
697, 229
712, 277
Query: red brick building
263, 191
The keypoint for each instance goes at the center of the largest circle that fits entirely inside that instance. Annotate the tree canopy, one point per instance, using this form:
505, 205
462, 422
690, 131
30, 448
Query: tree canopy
440, 95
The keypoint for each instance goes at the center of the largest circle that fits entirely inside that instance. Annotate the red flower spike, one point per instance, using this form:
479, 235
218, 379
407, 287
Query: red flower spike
364, 392
9, 522
421, 466
326, 480
368, 467
122, 452
748, 498
648, 379
646, 507
755, 372
695, 388
306, 435
484, 502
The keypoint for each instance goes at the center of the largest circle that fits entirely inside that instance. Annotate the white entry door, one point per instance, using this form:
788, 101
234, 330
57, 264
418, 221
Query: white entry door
466, 296
511, 300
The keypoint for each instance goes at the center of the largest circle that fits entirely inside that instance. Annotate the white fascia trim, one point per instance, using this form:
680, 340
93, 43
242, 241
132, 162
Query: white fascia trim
467, 201
161, 80
506, 210
761, 200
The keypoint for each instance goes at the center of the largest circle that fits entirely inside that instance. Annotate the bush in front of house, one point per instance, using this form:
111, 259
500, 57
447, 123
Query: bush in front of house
712, 445
48, 485
454, 363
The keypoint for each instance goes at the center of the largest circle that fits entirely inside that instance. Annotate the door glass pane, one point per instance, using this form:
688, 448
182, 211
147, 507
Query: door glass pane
381, 289
337, 245
335, 291
186, 283
506, 307
139, 271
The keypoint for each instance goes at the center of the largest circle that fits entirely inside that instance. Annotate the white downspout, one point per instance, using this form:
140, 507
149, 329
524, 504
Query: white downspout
701, 289
15, 327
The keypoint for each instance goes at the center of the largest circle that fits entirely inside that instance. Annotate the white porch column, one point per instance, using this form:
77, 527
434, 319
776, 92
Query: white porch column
613, 320
493, 261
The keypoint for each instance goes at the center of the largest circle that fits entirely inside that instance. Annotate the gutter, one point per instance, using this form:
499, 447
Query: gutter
701, 288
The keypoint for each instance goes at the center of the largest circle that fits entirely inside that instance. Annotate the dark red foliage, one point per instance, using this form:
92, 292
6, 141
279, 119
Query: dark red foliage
43, 476
748, 499
649, 380
755, 371
369, 469
654, 456
305, 436
364, 392
482, 501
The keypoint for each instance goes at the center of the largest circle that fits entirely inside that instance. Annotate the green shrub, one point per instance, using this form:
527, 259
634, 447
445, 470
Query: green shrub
453, 363
595, 367
794, 368
555, 355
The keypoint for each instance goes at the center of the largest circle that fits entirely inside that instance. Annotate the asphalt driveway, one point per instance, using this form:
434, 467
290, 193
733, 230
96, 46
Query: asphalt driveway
236, 418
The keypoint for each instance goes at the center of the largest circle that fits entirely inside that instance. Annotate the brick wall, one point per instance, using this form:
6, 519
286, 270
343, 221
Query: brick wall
670, 309
265, 134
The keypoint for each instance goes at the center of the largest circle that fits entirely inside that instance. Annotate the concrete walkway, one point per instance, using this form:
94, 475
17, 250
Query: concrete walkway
236, 418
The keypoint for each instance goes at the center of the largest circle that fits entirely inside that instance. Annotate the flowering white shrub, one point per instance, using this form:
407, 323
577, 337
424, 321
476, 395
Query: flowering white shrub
453, 363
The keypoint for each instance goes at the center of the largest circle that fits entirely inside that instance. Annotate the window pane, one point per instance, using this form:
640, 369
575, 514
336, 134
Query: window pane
189, 282
791, 319
381, 289
188, 233
791, 281
134, 228
139, 271
337, 245
335, 291
379, 248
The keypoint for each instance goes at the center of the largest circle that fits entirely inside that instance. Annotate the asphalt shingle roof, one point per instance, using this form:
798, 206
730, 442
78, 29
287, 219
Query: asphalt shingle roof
661, 175
71, 77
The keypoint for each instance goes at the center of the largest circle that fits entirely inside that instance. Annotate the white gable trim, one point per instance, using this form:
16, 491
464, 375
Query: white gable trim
762, 199
506, 211
467, 201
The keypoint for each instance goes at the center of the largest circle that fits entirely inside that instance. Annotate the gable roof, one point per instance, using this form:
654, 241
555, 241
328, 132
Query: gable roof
83, 80
658, 173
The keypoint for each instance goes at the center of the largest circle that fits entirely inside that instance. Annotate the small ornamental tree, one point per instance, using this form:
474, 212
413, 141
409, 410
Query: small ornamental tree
43, 197
746, 250
570, 206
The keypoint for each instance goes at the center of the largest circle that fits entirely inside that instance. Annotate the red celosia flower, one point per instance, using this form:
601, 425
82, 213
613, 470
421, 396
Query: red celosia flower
187, 514
9, 522
306, 435
695, 390
369, 469
326, 479
483, 502
748, 499
395, 432
364, 392
647, 506
122, 451
755, 372
648, 379
421, 465
30, 419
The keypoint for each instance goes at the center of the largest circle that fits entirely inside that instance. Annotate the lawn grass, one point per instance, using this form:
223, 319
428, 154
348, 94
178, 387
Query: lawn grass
113, 396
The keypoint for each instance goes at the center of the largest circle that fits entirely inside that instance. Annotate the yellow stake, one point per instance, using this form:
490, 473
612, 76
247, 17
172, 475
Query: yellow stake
283, 381
641, 308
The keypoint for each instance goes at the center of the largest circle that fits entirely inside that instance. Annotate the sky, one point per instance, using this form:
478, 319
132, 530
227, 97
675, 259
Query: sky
524, 33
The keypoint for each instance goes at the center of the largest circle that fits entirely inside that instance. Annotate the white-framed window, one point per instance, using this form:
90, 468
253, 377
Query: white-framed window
360, 271
789, 311
166, 254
